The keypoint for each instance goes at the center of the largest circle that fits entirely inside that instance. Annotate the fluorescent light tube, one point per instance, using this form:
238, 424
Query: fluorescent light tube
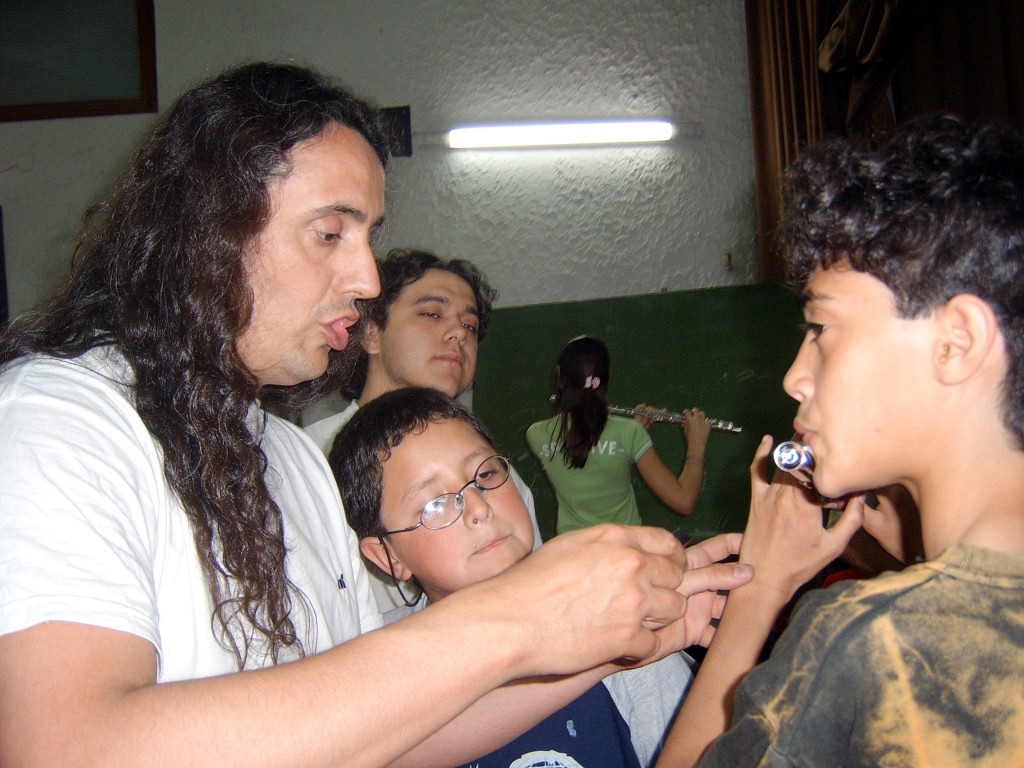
560, 134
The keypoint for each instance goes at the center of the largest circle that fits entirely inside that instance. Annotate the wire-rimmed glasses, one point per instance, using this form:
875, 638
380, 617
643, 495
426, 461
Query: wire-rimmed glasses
447, 508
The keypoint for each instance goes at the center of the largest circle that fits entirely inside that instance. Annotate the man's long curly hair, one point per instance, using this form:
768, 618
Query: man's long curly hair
160, 274
933, 211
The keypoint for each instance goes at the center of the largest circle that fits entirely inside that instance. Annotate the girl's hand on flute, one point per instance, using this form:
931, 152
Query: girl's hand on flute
696, 428
642, 417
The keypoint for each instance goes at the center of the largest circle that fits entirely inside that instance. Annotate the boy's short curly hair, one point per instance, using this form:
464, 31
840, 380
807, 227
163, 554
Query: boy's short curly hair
934, 211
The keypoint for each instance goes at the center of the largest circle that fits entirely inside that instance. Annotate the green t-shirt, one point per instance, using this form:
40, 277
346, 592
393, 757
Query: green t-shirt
600, 491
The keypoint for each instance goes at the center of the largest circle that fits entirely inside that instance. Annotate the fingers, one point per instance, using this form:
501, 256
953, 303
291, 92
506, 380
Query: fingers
643, 594
713, 550
656, 541
702, 613
895, 523
647, 558
715, 577
666, 607
785, 540
642, 574
696, 426
655, 565
642, 419
759, 465
696, 627
589, 596
849, 522
711, 605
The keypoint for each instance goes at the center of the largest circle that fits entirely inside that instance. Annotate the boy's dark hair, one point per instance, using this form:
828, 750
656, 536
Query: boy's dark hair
581, 391
402, 267
934, 211
363, 446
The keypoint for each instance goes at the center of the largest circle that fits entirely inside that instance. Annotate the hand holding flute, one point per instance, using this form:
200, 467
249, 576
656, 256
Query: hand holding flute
661, 415
697, 428
695, 424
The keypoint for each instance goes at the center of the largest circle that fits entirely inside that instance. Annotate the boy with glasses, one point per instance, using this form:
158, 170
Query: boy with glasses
423, 330
427, 493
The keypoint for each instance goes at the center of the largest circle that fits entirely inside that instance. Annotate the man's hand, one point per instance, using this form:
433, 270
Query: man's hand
706, 583
591, 596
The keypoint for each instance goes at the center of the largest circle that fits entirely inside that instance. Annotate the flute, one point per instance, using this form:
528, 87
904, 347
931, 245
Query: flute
671, 418
797, 459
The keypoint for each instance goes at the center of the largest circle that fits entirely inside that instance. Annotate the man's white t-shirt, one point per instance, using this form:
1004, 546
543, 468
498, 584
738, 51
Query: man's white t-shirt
91, 533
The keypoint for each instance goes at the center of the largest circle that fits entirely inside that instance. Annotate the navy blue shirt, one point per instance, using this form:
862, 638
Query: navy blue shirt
586, 733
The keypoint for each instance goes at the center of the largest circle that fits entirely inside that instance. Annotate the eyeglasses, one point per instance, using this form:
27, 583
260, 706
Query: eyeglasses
447, 508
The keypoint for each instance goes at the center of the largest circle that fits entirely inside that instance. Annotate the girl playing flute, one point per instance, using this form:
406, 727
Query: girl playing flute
587, 454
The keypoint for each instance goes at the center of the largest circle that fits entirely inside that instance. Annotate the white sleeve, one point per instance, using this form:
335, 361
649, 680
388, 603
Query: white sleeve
326, 429
79, 478
527, 494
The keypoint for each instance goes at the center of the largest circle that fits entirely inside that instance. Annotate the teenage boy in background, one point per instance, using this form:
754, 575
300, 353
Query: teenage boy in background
428, 497
910, 257
424, 330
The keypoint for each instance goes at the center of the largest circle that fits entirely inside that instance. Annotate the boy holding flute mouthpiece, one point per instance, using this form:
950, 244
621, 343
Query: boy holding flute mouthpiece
588, 454
910, 258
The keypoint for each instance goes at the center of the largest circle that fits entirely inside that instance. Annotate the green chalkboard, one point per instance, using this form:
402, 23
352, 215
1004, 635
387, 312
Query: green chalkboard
721, 349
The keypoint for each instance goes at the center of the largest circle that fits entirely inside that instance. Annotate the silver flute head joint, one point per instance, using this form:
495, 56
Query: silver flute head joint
791, 456
797, 459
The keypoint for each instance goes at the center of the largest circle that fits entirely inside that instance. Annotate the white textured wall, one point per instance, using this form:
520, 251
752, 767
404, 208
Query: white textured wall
545, 225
